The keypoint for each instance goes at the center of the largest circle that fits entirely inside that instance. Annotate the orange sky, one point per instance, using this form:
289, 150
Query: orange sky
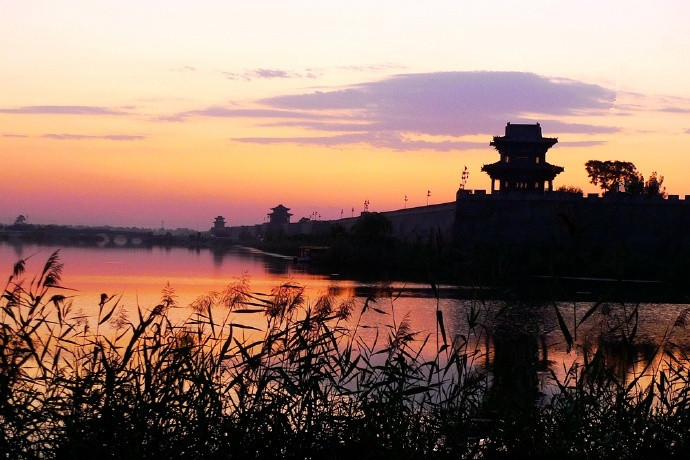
149, 113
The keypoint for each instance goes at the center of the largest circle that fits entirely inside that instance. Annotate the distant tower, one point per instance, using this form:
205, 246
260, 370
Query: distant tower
219, 223
280, 215
523, 166
218, 226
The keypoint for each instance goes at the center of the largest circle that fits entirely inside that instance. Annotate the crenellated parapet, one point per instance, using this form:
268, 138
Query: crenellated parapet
565, 220
480, 194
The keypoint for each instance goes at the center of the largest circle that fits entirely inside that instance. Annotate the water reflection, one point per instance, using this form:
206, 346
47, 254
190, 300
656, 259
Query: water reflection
525, 348
516, 332
522, 341
633, 341
273, 264
275, 267
218, 255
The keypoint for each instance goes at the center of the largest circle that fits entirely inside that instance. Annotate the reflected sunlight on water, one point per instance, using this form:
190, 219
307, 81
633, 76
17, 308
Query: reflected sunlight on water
529, 335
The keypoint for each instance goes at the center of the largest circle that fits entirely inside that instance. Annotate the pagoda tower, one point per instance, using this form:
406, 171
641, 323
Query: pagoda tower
523, 166
280, 215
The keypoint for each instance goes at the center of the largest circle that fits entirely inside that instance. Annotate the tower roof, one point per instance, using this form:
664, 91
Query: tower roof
280, 208
544, 171
523, 134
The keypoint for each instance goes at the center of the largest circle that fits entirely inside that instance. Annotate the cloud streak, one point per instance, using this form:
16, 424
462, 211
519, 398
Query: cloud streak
311, 73
107, 137
581, 144
81, 137
388, 112
675, 109
62, 110
271, 74
383, 140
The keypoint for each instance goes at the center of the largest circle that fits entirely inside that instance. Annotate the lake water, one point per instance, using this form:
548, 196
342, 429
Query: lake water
138, 275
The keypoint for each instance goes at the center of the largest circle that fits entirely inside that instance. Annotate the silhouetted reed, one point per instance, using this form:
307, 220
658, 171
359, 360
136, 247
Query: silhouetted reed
273, 375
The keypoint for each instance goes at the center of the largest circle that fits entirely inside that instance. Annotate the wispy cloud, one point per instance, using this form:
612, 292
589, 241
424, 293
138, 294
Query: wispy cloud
675, 109
263, 113
556, 126
306, 73
62, 110
385, 140
393, 111
107, 137
81, 137
581, 143
372, 68
636, 102
271, 74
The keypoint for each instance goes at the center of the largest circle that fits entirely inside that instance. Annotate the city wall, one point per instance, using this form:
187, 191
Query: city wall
559, 219
420, 224
423, 224
551, 219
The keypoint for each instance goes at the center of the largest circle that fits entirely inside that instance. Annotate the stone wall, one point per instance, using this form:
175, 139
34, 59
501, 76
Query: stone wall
553, 219
560, 219
423, 223
420, 224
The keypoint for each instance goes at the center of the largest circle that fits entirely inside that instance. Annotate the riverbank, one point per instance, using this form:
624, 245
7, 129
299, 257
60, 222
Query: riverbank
368, 252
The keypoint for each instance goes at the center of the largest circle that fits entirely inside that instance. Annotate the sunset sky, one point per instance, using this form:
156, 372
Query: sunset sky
149, 113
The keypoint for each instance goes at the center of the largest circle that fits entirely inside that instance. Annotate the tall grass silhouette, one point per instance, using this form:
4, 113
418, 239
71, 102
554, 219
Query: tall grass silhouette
267, 375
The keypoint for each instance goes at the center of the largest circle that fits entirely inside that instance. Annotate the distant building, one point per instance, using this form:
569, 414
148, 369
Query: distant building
279, 215
525, 213
219, 223
219, 228
523, 165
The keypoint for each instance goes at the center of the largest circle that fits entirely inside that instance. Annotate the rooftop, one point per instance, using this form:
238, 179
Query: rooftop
523, 133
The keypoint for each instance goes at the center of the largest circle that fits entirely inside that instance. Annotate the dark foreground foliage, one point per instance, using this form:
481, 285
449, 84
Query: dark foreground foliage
301, 380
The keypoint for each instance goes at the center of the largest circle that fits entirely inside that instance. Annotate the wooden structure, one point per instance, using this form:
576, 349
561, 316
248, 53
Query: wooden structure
523, 165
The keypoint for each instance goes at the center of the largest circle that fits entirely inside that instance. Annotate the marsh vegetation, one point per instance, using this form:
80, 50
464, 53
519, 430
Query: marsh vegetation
278, 375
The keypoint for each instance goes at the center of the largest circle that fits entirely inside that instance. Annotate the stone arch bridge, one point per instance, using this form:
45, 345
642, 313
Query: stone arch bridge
105, 237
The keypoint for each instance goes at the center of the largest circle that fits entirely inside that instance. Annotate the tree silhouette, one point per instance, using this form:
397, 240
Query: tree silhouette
653, 186
569, 189
372, 228
611, 175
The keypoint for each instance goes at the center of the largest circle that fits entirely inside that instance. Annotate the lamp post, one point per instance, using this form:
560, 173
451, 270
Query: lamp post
428, 194
465, 175
405, 201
